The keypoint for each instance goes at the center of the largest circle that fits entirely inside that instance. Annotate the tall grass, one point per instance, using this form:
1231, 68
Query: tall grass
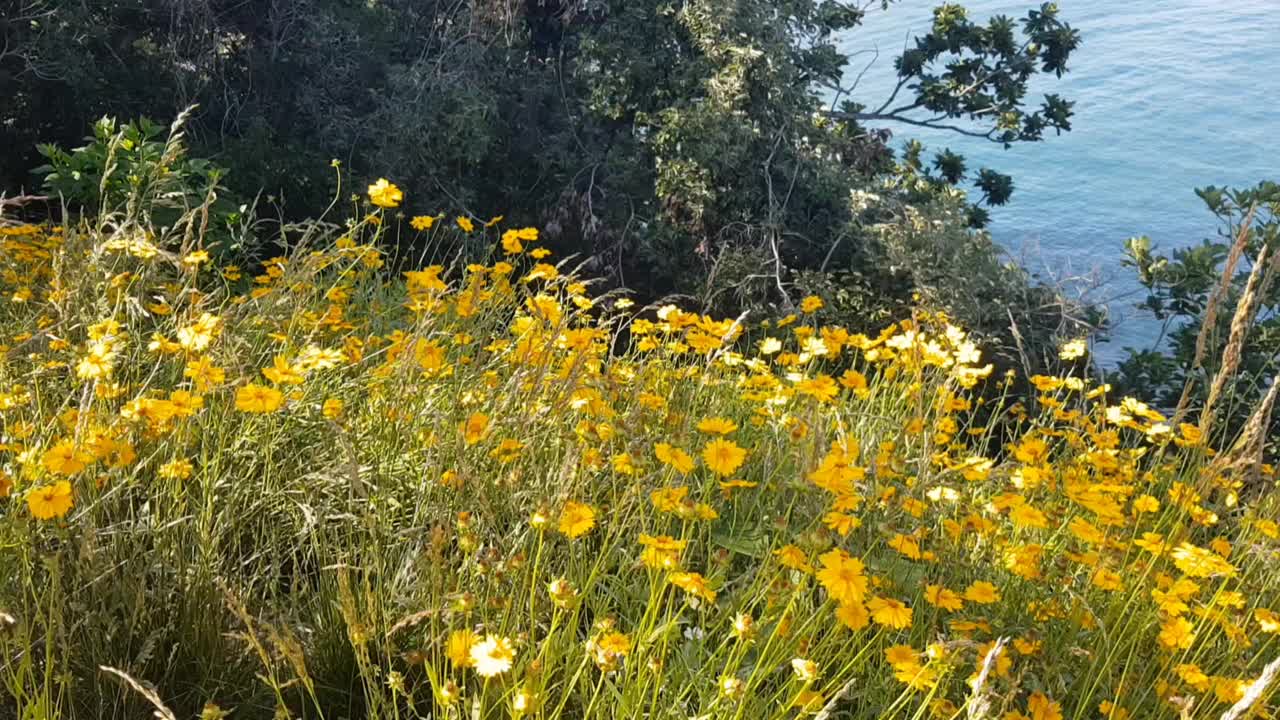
475, 489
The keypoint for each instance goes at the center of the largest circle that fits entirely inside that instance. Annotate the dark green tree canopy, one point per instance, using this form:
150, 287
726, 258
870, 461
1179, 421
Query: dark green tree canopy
686, 147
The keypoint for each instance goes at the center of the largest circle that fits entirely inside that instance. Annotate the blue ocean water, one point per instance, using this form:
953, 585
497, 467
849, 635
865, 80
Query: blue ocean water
1170, 95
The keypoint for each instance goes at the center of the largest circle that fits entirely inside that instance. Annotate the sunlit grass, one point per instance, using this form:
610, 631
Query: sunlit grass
476, 489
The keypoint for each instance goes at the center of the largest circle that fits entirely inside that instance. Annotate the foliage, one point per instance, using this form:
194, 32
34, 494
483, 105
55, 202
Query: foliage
482, 490
678, 148
920, 253
141, 167
1200, 294
987, 71
984, 79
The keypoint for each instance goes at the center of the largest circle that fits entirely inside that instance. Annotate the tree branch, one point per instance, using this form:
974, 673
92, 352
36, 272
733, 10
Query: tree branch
891, 117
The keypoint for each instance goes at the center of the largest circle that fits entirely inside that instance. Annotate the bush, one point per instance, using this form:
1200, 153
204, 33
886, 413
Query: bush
142, 170
1217, 303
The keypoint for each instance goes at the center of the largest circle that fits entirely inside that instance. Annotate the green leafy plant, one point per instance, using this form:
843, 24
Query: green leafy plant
144, 169
1218, 304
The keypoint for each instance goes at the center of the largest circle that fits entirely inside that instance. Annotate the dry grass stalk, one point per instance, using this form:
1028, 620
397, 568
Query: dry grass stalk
1246, 453
1246, 309
825, 712
162, 711
979, 703
1256, 690
1211, 312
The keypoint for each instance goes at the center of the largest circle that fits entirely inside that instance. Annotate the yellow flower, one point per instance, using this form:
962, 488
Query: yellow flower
179, 469
1027, 646
1042, 708
197, 336
1267, 620
808, 701
576, 519
511, 244
1024, 561
1191, 674
1108, 580
97, 362
458, 647
901, 655
793, 557
465, 224
332, 408
508, 450
842, 576
608, 649
1086, 531
661, 552
1189, 435
475, 427
855, 381
842, 523
1198, 562
1027, 516
811, 304
674, 457
1073, 350
889, 612
50, 501
203, 373
282, 373
694, 584
982, 593
905, 545
258, 399
717, 426
915, 675
422, 222
1176, 633
492, 656
670, 500
185, 404
723, 457
384, 194
806, 671
1111, 711
65, 458
941, 597
853, 615
822, 388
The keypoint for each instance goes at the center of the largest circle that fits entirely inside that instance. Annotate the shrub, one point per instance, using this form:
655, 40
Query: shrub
1217, 304
140, 169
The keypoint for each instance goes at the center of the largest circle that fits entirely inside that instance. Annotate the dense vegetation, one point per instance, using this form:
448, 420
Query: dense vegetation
714, 150
1218, 295
480, 489
733, 412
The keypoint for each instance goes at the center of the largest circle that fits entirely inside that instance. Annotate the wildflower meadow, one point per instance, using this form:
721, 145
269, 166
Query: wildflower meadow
455, 481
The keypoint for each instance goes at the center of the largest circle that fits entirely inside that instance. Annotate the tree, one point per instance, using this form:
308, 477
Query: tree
963, 71
677, 147
751, 173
